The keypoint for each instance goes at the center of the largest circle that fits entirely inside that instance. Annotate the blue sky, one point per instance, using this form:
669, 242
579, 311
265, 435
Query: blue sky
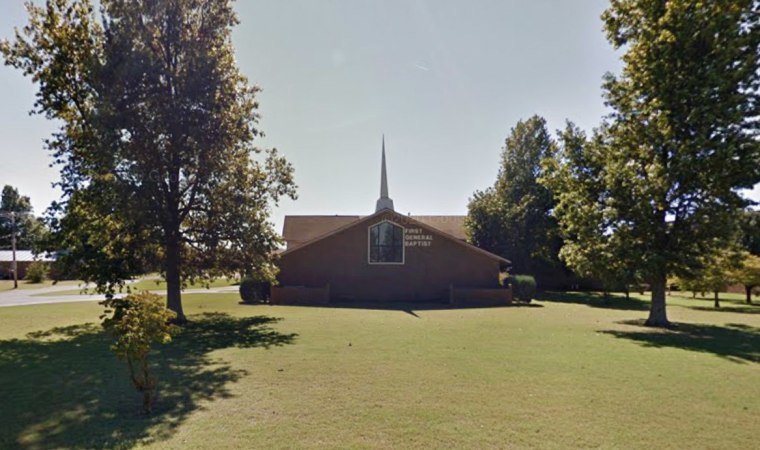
444, 80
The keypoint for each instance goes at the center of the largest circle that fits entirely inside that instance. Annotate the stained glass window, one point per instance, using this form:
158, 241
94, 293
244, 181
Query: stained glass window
386, 243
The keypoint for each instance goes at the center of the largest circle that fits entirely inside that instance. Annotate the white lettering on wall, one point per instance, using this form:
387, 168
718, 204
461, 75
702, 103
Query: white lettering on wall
416, 237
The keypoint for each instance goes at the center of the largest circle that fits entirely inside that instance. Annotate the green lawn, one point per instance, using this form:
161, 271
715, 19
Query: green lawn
574, 371
160, 285
146, 285
7, 285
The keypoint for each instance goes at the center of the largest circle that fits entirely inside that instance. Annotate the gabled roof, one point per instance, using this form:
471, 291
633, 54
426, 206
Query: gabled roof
300, 229
23, 256
402, 218
453, 225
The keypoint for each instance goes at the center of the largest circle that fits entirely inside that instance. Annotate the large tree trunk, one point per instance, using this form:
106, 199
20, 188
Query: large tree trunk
717, 300
658, 316
173, 282
748, 290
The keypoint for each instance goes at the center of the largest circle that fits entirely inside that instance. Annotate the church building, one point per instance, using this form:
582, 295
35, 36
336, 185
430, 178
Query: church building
385, 257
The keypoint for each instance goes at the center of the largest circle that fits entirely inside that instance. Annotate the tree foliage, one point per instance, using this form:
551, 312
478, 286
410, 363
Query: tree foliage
30, 231
692, 284
137, 322
681, 140
158, 166
719, 272
715, 273
575, 173
748, 274
749, 229
512, 218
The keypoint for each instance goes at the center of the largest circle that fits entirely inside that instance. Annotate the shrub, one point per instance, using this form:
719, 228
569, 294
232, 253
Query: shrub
137, 321
37, 272
523, 287
254, 291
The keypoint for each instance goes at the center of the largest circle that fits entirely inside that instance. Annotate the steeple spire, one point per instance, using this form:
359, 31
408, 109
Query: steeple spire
384, 202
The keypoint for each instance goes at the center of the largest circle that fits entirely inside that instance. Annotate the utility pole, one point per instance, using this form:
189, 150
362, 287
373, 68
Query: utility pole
14, 264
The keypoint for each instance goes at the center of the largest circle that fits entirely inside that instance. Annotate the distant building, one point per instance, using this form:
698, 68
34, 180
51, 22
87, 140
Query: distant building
385, 256
23, 259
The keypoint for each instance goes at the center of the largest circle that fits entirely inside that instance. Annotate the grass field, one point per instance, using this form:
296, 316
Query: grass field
573, 371
142, 285
160, 285
7, 285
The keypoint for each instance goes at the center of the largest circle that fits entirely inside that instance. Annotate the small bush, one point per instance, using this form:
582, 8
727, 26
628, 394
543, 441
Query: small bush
254, 291
37, 272
523, 287
137, 321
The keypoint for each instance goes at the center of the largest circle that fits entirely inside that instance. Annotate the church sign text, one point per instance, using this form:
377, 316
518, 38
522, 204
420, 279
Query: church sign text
416, 237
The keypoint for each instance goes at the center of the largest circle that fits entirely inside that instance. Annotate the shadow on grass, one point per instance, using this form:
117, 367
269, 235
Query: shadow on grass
736, 342
730, 309
594, 300
728, 305
412, 308
64, 388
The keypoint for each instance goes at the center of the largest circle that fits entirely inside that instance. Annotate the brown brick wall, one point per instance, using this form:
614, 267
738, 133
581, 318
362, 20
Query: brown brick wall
288, 295
7, 273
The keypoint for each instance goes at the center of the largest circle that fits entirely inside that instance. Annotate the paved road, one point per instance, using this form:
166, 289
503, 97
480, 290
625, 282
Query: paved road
21, 297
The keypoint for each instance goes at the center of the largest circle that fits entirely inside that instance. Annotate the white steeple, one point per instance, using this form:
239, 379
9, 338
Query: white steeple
384, 202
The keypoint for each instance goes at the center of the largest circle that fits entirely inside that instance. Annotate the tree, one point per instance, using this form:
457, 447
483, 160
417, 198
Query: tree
29, 230
692, 284
719, 271
137, 322
749, 229
574, 173
682, 137
156, 142
715, 272
512, 218
748, 274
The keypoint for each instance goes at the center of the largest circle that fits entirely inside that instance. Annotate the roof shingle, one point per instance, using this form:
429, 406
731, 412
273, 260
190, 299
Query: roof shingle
298, 230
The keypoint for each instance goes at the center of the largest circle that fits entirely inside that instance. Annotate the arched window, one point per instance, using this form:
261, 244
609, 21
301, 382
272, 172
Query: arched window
386, 243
